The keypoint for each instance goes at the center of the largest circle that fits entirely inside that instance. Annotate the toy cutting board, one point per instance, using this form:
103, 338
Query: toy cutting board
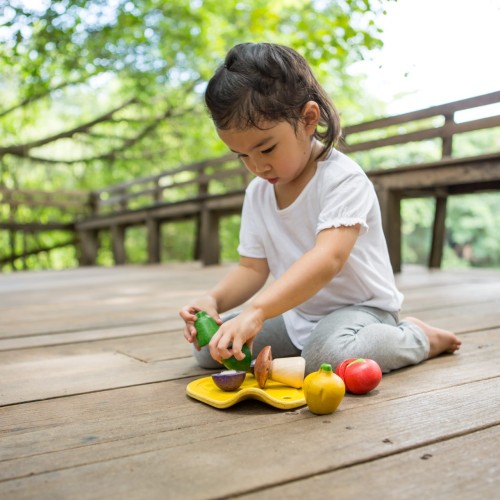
274, 394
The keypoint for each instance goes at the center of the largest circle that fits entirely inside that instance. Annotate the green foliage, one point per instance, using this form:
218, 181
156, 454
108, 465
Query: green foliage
471, 239
75, 60
229, 231
417, 216
97, 92
178, 241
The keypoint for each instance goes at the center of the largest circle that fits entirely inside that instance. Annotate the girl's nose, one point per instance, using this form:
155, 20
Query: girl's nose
261, 166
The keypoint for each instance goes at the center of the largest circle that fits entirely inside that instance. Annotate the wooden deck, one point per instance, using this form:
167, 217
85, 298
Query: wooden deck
93, 371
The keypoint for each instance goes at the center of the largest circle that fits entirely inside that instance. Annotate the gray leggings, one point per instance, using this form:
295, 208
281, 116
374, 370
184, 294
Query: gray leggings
349, 332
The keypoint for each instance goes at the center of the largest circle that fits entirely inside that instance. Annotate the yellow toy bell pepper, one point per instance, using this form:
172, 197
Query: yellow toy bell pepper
323, 390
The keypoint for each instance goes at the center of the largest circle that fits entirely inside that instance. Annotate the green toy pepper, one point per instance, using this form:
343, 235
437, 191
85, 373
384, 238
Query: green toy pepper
206, 327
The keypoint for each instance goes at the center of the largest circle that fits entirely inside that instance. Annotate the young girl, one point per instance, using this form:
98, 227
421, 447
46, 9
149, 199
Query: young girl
311, 219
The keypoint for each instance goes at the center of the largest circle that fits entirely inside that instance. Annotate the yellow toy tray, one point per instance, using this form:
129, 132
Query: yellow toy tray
275, 394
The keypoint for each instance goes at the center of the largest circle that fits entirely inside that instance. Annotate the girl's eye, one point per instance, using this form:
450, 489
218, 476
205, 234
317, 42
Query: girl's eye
269, 150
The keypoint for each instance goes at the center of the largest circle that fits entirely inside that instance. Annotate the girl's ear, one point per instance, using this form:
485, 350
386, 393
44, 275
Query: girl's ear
311, 115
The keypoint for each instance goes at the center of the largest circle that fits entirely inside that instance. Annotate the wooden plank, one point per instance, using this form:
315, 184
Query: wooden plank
415, 277
196, 166
110, 415
195, 464
105, 367
100, 300
445, 131
49, 339
158, 191
31, 193
446, 176
441, 109
75, 373
102, 303
37, 227
463, 319
107, 315
441, 470
475, 362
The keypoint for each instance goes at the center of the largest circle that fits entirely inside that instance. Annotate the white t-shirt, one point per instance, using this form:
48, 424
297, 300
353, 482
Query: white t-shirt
339, 194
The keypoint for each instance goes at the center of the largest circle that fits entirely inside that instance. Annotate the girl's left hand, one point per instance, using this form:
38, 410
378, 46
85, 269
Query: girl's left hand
233, 334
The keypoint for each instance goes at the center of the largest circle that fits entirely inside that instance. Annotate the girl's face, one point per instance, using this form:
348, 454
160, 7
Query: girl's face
277, 153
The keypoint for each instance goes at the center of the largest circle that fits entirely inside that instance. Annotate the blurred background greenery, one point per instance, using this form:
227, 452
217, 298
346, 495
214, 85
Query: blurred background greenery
96, 92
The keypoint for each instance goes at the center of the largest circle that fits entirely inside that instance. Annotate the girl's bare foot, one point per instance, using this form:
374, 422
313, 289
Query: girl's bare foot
440, 340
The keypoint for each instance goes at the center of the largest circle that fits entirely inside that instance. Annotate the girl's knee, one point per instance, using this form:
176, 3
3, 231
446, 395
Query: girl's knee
205, 360
316, 357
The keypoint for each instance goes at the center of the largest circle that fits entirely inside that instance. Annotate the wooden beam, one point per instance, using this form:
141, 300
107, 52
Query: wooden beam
438, 233
118, 244
447, 172
447, 144
154, 232
441, 109
37, 227
210, 239
447, 130
390, 207
89, 246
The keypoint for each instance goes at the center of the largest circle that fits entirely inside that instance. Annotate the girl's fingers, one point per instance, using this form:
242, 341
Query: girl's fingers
236, 350
196, 346
219, 346
188, 313
188, 334
212, 346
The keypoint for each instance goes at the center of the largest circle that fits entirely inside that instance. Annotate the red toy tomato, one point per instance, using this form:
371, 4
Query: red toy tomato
359, 375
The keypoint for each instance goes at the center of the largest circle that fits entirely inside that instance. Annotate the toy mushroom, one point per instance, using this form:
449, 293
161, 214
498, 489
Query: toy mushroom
288, 371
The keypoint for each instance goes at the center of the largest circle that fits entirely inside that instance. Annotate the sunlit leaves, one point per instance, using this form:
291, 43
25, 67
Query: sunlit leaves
65, 63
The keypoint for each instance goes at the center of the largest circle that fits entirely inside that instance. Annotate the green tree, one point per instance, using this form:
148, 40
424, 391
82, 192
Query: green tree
107, 90
101, 91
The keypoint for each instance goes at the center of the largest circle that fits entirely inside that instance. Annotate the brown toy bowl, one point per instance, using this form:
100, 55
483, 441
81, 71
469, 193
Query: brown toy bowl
263, 366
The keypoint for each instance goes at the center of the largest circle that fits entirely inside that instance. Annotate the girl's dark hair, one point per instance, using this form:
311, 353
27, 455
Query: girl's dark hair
267, 82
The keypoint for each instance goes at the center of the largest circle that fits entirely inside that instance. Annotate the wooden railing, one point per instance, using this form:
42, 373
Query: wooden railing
438, 179
443, 131
211, 189
193, 181
49, 211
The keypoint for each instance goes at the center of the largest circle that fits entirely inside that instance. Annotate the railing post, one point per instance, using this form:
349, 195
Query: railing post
202, 193
390, 207
93, 202
210, 240
89, 246
123, 202
447, 140
118, 244
154, 232
439, 225
438, 232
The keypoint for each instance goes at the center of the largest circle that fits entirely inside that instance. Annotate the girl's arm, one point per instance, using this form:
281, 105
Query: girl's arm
240, 284
307, 276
